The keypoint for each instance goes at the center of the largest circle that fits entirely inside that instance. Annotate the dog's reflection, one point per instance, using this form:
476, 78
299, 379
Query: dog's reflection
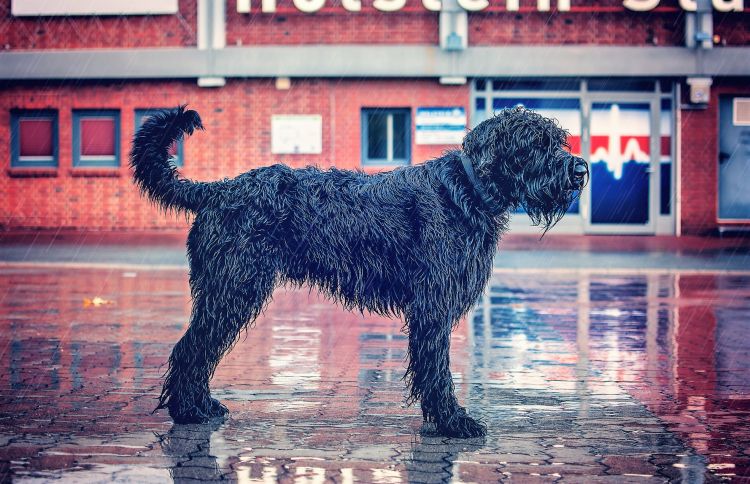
431, 460
189, 448
433, 457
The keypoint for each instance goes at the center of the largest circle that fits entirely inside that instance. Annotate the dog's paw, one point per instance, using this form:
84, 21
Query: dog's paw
196, 414
217, 409
462, 426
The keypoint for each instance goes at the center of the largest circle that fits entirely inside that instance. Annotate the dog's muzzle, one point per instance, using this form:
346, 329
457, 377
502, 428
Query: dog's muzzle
580, 173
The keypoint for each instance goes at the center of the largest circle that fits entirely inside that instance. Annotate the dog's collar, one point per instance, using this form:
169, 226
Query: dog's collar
478, 185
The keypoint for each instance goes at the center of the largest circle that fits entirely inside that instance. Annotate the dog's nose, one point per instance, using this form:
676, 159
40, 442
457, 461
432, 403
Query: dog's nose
580, 171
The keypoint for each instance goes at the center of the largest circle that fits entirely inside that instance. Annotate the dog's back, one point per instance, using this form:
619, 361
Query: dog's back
356, 236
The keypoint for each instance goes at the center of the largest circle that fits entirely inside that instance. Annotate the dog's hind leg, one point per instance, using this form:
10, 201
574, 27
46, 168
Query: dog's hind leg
428, 372
224, 303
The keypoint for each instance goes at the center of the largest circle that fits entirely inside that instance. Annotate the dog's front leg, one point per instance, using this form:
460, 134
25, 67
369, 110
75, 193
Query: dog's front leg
429, 376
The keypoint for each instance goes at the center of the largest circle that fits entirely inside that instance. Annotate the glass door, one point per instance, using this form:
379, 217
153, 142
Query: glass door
734, 159
623, 147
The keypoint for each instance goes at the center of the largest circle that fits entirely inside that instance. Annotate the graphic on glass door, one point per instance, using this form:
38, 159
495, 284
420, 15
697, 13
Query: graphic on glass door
566, 111
620, 163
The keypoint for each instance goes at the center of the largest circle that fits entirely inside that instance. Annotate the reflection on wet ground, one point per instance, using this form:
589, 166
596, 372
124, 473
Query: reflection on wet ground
580, 377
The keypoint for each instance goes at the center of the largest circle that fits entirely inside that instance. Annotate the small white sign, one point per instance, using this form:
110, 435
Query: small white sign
440, 125
293, 134
20, 8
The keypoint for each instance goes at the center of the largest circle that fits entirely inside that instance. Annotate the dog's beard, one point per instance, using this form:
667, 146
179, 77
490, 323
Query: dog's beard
548, 213
547, 199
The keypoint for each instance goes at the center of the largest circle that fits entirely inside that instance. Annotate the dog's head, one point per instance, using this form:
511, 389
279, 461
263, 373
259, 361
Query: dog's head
524, 158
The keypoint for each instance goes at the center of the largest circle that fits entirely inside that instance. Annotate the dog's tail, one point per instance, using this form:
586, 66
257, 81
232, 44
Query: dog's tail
149, 159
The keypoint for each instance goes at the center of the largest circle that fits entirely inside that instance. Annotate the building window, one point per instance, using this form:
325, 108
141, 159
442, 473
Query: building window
176, 152
33, 138
96, 138
386, 136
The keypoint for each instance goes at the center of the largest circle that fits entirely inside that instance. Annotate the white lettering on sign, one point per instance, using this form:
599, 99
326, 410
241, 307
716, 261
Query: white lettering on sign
729, 5
389, 5
268, 6
473, 5
352, 5
310, 6
640, 5
687, 5
541, 5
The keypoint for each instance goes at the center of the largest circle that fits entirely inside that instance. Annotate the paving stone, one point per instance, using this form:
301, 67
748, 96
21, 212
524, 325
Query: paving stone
630, 464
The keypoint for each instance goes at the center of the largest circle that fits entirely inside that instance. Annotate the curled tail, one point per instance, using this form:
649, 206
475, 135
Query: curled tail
149, 159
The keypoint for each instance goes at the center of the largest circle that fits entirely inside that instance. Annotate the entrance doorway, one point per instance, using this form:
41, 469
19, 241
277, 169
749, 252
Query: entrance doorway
623, 163
734, 159
625, 135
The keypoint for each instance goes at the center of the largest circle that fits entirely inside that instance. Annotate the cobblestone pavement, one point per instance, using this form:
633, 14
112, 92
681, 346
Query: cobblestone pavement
581, 377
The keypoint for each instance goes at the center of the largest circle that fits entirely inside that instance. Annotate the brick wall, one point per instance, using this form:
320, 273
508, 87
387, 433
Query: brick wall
733, 28
619, 28
237, 138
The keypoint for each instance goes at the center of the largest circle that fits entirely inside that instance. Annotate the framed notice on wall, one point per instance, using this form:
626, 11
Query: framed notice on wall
440, 125
293, 134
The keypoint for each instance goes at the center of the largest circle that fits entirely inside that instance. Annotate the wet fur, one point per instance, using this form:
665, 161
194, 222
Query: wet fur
416, 243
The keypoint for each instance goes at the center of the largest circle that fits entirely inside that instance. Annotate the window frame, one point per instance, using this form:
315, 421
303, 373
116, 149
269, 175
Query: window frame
16, 160
179, 159
364, 116
93, 161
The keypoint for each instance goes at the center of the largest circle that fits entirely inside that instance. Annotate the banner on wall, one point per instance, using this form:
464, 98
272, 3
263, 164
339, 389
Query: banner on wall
440, 125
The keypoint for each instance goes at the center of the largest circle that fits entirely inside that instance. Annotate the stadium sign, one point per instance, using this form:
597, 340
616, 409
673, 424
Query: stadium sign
311, 6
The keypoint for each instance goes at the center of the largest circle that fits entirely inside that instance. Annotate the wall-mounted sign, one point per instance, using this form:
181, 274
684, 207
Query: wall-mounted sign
310, 6
440, 126
21, 8
297, 134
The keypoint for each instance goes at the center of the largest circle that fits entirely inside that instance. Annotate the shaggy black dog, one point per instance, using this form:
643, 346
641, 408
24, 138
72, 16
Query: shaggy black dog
416, 242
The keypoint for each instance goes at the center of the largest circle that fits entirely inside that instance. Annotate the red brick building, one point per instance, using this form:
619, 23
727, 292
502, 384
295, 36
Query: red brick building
654, 93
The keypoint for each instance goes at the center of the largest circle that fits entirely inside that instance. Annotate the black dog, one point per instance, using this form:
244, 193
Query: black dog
417, 242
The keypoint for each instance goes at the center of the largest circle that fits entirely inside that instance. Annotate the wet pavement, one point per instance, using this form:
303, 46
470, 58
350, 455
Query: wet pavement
524, 252
581, 376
